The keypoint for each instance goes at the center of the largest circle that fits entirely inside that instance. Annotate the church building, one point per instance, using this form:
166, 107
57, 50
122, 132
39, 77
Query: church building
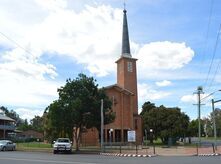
124, 99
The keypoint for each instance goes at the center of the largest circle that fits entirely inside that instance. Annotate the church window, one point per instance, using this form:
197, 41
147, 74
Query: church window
129, 67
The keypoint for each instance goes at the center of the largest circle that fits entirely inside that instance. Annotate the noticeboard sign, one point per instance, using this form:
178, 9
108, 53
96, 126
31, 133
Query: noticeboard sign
131, 135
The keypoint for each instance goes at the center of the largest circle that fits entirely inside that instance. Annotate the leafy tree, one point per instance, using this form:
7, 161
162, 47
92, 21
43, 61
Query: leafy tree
218, 121
176, 123
37, 123
146, 107
207, 124
78, 107
55, 121
193, 128
165, 122
24, 125
4, 109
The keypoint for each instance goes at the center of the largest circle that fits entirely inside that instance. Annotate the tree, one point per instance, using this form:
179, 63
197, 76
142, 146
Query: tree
24, 125
165, 122
218, 121
207, 126
37, 123
78, 107
146, 107
54, 119
193, 128
4, 109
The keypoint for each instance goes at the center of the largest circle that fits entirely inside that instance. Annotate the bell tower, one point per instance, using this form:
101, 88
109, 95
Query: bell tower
126, 66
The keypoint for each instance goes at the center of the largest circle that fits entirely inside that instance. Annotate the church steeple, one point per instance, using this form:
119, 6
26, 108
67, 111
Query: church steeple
126, 66
125, 52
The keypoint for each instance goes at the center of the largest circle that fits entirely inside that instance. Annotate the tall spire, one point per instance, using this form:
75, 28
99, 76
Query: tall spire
125, 52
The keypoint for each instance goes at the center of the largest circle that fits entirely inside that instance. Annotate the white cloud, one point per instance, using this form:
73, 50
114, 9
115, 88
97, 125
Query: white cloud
93, 34
52, 4
148, 93
205, 99
28, 114
165, 55
17, 62
189, 98
160, 57
163, 83
192, 101
90, 37
19, 90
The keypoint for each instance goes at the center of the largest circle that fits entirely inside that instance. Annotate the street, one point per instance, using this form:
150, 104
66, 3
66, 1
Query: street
45, 158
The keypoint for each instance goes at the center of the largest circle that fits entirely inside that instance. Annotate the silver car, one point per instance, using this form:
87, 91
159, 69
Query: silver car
62, 145
7, 145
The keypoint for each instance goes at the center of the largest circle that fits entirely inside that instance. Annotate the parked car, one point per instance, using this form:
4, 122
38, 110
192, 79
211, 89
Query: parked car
7, 145
62, 145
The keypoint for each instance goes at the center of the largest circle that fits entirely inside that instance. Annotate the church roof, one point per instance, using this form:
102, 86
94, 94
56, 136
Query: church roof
119, 88
125, 52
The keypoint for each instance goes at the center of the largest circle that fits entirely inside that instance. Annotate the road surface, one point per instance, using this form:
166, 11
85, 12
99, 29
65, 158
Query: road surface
18, 157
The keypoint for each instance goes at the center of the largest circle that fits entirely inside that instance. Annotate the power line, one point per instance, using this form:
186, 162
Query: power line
204, 98
207, 33
214, 76
18, 45
218, 65
214, 53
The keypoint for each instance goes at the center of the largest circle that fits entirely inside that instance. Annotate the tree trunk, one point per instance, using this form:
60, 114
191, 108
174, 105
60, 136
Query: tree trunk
77, 138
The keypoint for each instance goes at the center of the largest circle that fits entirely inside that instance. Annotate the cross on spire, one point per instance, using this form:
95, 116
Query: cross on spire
124, 5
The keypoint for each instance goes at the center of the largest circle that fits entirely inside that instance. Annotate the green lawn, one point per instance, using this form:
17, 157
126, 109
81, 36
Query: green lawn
209, 138
33, 145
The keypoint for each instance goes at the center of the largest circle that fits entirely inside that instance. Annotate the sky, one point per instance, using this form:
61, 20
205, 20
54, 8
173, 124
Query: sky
45, 42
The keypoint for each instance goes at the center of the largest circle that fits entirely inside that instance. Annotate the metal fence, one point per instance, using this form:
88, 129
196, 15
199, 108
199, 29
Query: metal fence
180, 150
128, 147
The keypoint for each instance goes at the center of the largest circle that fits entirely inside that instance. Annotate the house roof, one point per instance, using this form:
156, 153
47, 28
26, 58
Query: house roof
119, 88
3, 117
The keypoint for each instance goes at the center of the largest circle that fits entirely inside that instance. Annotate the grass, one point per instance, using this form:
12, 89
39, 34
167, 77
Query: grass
33, 145
209, 138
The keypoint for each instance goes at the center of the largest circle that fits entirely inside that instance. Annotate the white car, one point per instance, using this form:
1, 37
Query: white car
7, 145
62, 145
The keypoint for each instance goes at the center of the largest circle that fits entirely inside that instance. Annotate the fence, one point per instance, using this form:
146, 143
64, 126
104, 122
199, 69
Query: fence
129, 148
189, 150
208, 148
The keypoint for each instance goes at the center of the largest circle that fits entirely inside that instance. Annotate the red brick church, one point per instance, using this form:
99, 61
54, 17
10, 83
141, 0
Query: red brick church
124, 97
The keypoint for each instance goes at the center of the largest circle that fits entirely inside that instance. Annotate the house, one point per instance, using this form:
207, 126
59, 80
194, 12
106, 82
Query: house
7, 126
30, 135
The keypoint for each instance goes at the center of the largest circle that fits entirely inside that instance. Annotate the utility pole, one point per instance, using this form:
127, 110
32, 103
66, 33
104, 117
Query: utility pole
199, 92
213, 116
214, 123
102, 126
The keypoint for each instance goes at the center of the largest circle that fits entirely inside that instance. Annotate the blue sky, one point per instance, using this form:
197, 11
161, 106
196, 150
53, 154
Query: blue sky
46, 42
